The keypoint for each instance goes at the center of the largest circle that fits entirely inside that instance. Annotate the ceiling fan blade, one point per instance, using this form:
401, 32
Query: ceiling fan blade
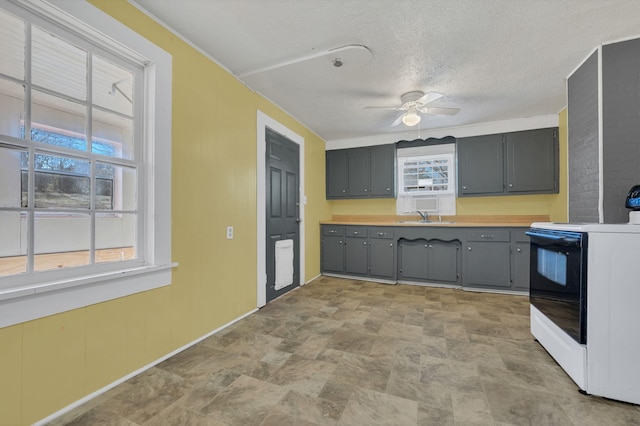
397, 121
382, 107
429, 97
439, 110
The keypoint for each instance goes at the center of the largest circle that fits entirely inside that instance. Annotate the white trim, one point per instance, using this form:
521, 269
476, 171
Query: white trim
264, 121
135, 373
600, 142
539, 122
90, 22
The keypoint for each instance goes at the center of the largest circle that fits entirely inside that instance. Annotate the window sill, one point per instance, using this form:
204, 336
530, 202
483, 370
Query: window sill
28, 303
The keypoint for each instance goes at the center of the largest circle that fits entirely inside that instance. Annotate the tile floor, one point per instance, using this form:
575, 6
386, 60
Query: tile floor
348, 352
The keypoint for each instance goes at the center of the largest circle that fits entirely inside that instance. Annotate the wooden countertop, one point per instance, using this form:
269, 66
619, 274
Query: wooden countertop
446, 221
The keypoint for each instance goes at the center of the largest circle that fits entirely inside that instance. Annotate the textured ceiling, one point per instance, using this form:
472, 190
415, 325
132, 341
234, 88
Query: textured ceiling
494, 59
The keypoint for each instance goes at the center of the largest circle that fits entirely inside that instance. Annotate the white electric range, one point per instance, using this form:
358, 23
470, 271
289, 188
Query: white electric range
585, 303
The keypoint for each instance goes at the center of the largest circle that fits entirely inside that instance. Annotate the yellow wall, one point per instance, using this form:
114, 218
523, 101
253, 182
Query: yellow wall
51, 362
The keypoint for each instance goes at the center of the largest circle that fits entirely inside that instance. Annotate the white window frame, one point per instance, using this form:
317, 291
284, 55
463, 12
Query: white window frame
32, 296
450, 158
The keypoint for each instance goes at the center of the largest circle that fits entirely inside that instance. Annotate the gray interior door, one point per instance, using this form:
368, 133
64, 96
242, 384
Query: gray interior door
283, 208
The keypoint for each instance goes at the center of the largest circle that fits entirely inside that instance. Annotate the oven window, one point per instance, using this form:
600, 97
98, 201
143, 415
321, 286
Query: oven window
553, 266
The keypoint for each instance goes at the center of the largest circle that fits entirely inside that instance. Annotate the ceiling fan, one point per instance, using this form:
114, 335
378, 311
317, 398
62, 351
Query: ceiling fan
416, 103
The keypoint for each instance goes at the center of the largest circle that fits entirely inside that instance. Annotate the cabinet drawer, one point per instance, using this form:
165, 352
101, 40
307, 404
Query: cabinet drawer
330, 230
356, 231
488, 235
381, 232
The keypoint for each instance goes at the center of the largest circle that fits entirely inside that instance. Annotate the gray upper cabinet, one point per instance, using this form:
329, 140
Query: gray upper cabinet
358, 172
367, 172
480, 165
336, 170
508, 164
532, 161
383, 171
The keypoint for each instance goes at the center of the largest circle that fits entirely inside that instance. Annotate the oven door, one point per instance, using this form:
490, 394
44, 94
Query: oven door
558, 279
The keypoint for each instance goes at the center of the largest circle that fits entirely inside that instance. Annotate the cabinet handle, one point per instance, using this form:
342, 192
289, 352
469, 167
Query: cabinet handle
464, 187
332, 231
487, 236
425, 246
390, 245
355, 232
469, 248
365, 190
340, 242
344, 190
382, 234
388, 189
430, 246
518, 250
365, 243
510, 185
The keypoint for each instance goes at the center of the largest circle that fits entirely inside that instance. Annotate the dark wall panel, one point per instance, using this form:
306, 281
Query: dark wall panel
621, 126
582, 89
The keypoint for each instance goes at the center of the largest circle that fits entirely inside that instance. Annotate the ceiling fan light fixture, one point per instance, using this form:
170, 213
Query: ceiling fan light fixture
411, 118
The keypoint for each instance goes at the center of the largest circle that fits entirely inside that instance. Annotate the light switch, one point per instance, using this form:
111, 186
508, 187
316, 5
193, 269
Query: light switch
229, 232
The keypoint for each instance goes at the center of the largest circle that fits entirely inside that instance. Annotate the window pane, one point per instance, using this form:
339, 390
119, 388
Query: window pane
12, 107
61, 182
115, 237
12, 46
13, 244
61, 241
112, 86
11, 160
64, 117
114, 130
58, 65
122, 183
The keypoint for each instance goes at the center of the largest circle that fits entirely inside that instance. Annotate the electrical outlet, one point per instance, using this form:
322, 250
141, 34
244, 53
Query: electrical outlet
229, 232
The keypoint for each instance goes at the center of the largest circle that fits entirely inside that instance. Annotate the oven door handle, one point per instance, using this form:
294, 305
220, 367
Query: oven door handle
546, 239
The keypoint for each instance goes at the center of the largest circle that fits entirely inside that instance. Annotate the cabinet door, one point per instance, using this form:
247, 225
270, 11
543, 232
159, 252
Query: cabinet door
520, 266
381, 255
487, 264
413, 259
383, 171
442, 261
532, 161
356, 252
358, 172
336, 171
480, 165
333, 254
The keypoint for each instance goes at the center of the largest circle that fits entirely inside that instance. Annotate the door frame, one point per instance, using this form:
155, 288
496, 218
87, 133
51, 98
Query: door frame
264, 121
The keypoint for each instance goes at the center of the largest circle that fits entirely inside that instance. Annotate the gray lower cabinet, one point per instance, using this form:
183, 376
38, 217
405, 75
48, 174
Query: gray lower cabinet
382, 253
487, 257
332, 255
520, 260
429, 260
356, 250
413, 260
483, 258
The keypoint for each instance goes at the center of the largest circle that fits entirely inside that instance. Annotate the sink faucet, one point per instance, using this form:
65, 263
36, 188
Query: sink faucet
424, 216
